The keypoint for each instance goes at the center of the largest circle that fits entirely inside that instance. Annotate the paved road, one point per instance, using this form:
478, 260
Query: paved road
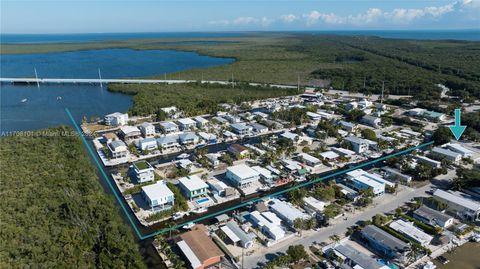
339, 226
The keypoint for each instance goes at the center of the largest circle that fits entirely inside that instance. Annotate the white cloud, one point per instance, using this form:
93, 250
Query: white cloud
330, 18
289, 18
219, 23
245, 21
371, 16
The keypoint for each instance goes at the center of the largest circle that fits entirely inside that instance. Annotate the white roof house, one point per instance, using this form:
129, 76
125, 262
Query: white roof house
193, 186
147, 129
344, 152
268, 228
289, 135
186, 123
408, 229
447, 154
169, 126
148, 144
264, 173
329, 155
116, 119
242, 175
309, 159
236, 233
287, 212
201, 121
360, 179
313, 205
460, 203
460, 149
158, 195
129, 131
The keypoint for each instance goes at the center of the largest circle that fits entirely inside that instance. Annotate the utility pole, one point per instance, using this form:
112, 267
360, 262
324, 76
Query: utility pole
298, 82
36, 77
100, 77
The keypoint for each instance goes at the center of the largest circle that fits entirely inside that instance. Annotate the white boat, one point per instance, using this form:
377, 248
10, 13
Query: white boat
24, 100
200, 210
188, 226
183, 156
59, 98
264, 188
180, 215
429, 265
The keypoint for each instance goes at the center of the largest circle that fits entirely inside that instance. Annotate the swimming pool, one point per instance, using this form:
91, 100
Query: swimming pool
387, 263
203, 200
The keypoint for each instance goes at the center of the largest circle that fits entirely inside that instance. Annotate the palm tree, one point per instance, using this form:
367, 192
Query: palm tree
413, 252
335, 238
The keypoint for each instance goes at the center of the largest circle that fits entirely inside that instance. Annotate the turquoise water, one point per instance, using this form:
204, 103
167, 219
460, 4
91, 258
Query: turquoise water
387, 263
44, 106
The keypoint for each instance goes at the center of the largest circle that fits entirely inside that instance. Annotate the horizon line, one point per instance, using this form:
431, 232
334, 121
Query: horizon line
254, 31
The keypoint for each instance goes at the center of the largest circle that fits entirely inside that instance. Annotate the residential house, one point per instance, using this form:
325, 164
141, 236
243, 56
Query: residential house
361, 180
348, 126
428, 161
265, 174
395, 175
168, 142
410, 231
461, 204
241, 128
109, 137
186, 124
188, 138
208, 137
290, 136
447, 154
313, 206
242, 176
142, 171
372, 121
201, 121
287, 212
116, 119
168, 127
148, 144
118, 149
384, 244
193, 186
232, 119
359, 145
129, 132
309, 159
237, 234
199, 249
147, 129
466, 153
238, 150
259, 129
213, 158
354, 259
344, 152
314, 116
267, 227
433, 217
158, 196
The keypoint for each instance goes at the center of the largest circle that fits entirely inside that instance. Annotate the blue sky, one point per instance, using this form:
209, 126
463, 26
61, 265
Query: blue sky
89, 16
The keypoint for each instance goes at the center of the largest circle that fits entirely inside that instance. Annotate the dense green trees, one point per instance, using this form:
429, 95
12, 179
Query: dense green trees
467, 178
193, 98
54, 213
442, 135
